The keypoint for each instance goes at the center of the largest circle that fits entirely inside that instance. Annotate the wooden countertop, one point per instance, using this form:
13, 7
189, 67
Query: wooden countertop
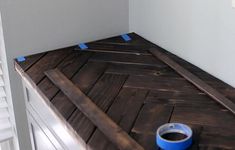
136, 90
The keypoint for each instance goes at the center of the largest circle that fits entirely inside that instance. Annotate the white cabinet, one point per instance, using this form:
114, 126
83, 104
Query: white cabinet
48, 129
39, 139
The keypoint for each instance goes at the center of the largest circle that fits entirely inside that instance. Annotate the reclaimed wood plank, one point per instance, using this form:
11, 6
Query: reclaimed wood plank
30, 60
217, 137
123, 111
149, 119
217, 141
85, 79
160, 83
118, 48
115, 133
179, 98
139, 70
208, 115
69, 67
103, 94
216, 83
206, 77
197, 130
200, 84
136, 41
49, 61
148, 141
127, 59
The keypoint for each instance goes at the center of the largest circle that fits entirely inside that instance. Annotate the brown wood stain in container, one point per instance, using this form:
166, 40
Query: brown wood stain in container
174, 136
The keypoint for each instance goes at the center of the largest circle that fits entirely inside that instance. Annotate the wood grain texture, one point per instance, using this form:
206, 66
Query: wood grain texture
49, 61
30, 60
95, 114
127, 59
102, 94
123, 111
210, 116
149, 119
115, 48
125, 81
69, 66
179, 98
85, 79
160, 84
195, 80
136, 41
141, 70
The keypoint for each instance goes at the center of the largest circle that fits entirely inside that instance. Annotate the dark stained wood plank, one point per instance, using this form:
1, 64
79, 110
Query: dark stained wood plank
118, 48
140, 70
148, 141
84, 79
215, 116
161, 83
49, 61
115, 133
136, 41
123, 111
179, 98
200, 84
197, 130
150, 118
30, 60
217, 137
230, 93
213, 124
127, 59
217, 141
210, 147
216, 83
69, 66
103, 94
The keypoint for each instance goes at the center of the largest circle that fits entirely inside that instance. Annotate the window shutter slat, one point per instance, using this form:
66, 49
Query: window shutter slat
4, 113
6, 129
1, 81
5, 124
5, 135
2, 92
7, 132
3, 103
1, 73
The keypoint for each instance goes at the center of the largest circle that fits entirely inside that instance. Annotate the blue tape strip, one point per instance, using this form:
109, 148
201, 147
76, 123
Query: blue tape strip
174, 128
126, 37
20, 59
83, 46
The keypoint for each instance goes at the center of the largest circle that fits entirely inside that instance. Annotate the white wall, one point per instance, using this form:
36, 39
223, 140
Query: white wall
200, 31
32, 26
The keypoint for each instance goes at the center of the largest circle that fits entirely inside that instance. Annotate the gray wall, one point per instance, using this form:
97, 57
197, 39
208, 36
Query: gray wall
32, 26
200, 31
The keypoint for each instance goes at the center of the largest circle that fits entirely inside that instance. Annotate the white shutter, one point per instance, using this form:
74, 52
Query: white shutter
6, 131
8, 135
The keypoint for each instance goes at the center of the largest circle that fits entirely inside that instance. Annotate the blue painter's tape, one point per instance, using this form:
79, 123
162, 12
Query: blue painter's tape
126, 37
20, 59
182, 144
83, 46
